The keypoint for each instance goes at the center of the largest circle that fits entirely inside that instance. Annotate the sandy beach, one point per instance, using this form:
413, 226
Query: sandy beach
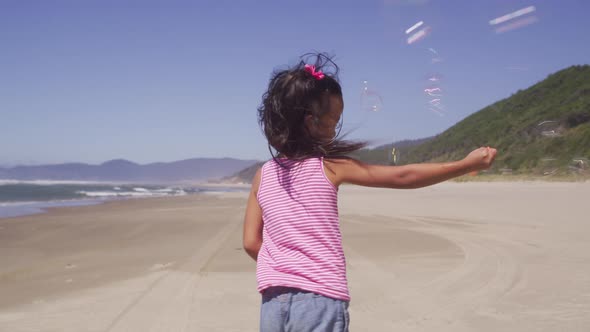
452, 257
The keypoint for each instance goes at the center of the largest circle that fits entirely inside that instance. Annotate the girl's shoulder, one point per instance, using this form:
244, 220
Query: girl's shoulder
341, 162
337, 169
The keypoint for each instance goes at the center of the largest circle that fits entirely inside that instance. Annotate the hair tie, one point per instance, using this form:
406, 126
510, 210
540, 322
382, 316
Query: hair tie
317, 74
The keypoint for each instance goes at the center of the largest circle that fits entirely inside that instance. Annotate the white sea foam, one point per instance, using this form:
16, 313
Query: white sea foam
137, 192
166, 190
26, 201
116, 193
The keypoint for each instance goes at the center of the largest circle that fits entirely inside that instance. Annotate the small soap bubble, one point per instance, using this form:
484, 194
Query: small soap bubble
419, 35
436, 111
433, 78
433, 91
435, 102
514, 20
417, 32
371, 100
436, 60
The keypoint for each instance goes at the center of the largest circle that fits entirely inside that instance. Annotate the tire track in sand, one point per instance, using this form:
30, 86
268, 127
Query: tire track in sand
487, 272
166, 303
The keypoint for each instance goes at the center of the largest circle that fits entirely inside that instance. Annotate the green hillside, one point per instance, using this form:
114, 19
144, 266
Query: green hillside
383, 154
543, 130
244, 176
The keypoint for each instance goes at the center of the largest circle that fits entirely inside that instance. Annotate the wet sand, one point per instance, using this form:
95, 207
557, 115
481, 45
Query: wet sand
451, 257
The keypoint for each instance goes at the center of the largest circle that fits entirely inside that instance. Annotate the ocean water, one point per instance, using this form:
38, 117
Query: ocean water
19, 198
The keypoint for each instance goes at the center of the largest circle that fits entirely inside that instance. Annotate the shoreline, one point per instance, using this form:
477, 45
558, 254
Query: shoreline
10, 209
18, 209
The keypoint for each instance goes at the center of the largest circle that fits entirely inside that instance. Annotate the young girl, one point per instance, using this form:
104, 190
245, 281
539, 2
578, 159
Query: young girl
291, 225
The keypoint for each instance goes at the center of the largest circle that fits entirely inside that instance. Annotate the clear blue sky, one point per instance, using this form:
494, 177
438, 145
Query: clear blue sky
150, 81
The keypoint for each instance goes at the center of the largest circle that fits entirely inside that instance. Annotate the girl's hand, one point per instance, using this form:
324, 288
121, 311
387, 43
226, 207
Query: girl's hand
480, 159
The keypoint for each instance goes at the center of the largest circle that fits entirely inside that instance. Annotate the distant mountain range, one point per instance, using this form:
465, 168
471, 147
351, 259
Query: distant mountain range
121, 170
243, 176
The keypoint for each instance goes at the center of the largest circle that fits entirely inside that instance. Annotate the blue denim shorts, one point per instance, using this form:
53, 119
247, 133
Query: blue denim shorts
286, 309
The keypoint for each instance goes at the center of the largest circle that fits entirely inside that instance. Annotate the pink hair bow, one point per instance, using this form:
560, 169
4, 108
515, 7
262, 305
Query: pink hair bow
317, 74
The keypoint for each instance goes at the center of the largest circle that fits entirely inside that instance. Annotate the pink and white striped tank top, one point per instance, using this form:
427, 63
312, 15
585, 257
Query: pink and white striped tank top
301, 239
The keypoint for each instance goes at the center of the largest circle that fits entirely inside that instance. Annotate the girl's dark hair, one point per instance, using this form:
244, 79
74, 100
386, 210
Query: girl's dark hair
293, 94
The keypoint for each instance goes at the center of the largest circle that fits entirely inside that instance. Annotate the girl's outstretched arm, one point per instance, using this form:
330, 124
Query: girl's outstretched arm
252, 236
407, 176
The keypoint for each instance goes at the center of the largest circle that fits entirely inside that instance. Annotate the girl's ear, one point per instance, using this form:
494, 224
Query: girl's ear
311, 123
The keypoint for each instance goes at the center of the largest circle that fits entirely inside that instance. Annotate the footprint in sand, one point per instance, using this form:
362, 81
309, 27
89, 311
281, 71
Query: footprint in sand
70, 266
